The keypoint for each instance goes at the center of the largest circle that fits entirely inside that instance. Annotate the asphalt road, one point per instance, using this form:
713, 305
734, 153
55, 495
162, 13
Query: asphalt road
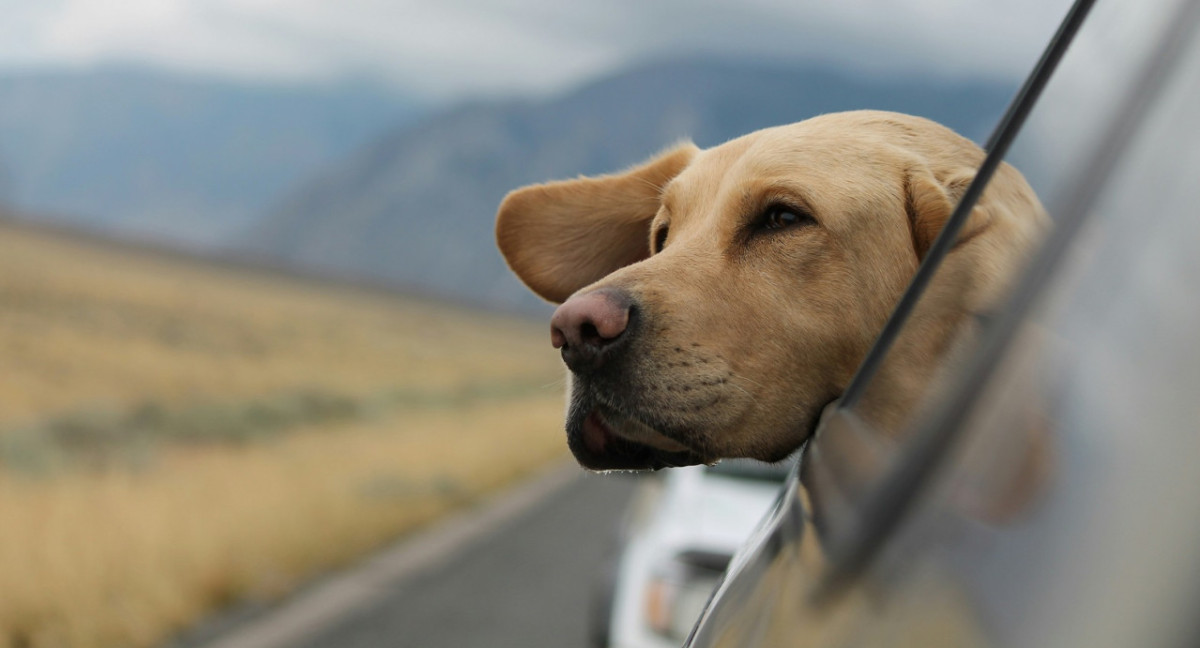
524, 581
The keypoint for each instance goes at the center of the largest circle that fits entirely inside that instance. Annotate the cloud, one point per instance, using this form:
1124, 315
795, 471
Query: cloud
457, 47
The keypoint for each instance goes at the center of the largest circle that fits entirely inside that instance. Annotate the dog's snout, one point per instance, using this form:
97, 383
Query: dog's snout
587, 326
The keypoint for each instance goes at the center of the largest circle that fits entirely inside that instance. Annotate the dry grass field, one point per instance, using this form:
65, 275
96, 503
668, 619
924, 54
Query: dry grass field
175, 435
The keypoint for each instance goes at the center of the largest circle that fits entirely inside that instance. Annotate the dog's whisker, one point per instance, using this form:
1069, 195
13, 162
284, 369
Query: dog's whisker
736, 377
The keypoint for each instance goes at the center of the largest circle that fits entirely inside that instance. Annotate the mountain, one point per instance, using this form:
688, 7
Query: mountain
155, 155
415, 207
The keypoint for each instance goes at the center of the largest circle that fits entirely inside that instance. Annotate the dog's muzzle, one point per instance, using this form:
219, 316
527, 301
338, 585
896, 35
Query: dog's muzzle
596, 332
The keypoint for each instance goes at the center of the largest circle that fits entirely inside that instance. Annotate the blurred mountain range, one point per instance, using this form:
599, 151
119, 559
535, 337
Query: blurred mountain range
169, 157
415, 207
355, 182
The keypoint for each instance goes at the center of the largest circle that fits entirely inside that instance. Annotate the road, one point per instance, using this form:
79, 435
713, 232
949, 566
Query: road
515, 573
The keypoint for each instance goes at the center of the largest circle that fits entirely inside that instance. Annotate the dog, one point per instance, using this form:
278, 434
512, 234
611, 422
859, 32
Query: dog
713, 302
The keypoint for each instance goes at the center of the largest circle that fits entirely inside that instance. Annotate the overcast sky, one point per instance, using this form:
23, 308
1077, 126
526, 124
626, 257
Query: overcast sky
452, 48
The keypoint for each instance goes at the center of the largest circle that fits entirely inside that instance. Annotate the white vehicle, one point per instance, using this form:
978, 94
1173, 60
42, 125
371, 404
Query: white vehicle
682, 528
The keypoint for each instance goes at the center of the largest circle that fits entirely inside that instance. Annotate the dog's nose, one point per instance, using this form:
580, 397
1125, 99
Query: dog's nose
587, 326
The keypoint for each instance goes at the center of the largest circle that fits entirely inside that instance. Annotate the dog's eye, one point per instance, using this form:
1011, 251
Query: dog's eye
780, 216
660, 238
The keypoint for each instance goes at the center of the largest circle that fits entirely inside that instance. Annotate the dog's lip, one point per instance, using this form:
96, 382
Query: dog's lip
601, 447
632, 430
596, 433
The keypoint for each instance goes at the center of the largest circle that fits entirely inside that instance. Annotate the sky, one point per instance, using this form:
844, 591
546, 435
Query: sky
451, 49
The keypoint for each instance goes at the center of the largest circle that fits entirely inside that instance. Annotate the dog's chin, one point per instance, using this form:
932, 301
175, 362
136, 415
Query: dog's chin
603, 440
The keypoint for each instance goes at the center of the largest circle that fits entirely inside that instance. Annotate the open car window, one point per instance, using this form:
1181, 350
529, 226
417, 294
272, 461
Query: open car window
1077, 114
945, 313
1073, 113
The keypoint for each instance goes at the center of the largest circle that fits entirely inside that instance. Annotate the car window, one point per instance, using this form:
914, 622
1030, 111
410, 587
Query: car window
1064, 108
1076, 107
962, 282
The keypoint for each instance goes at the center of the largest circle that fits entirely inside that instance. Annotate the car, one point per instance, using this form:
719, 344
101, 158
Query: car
678, 535
1047, 494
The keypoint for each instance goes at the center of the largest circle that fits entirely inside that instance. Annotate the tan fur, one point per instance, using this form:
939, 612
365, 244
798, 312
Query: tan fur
747, 333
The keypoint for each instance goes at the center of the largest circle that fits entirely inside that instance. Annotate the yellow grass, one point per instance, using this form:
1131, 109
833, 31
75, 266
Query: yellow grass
117, 559
83, 325
448, 404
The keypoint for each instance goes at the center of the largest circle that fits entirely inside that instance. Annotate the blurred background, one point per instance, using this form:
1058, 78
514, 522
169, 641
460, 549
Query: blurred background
252, 322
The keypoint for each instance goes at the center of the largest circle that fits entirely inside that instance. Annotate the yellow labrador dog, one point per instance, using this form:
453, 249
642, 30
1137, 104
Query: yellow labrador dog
714, 301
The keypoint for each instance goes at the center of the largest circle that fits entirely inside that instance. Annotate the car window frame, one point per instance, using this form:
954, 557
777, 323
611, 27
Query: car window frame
996, 148
846, 458
884, 503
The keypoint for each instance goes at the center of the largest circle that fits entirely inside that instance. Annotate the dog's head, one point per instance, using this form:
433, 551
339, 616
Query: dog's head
714, 301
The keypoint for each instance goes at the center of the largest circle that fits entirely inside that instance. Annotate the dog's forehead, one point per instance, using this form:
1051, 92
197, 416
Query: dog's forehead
808, 153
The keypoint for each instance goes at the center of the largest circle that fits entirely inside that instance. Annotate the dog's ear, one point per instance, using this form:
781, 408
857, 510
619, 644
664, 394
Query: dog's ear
561, 236
930, 199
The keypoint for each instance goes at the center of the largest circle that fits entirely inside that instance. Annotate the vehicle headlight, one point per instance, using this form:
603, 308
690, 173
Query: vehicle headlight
677, 592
